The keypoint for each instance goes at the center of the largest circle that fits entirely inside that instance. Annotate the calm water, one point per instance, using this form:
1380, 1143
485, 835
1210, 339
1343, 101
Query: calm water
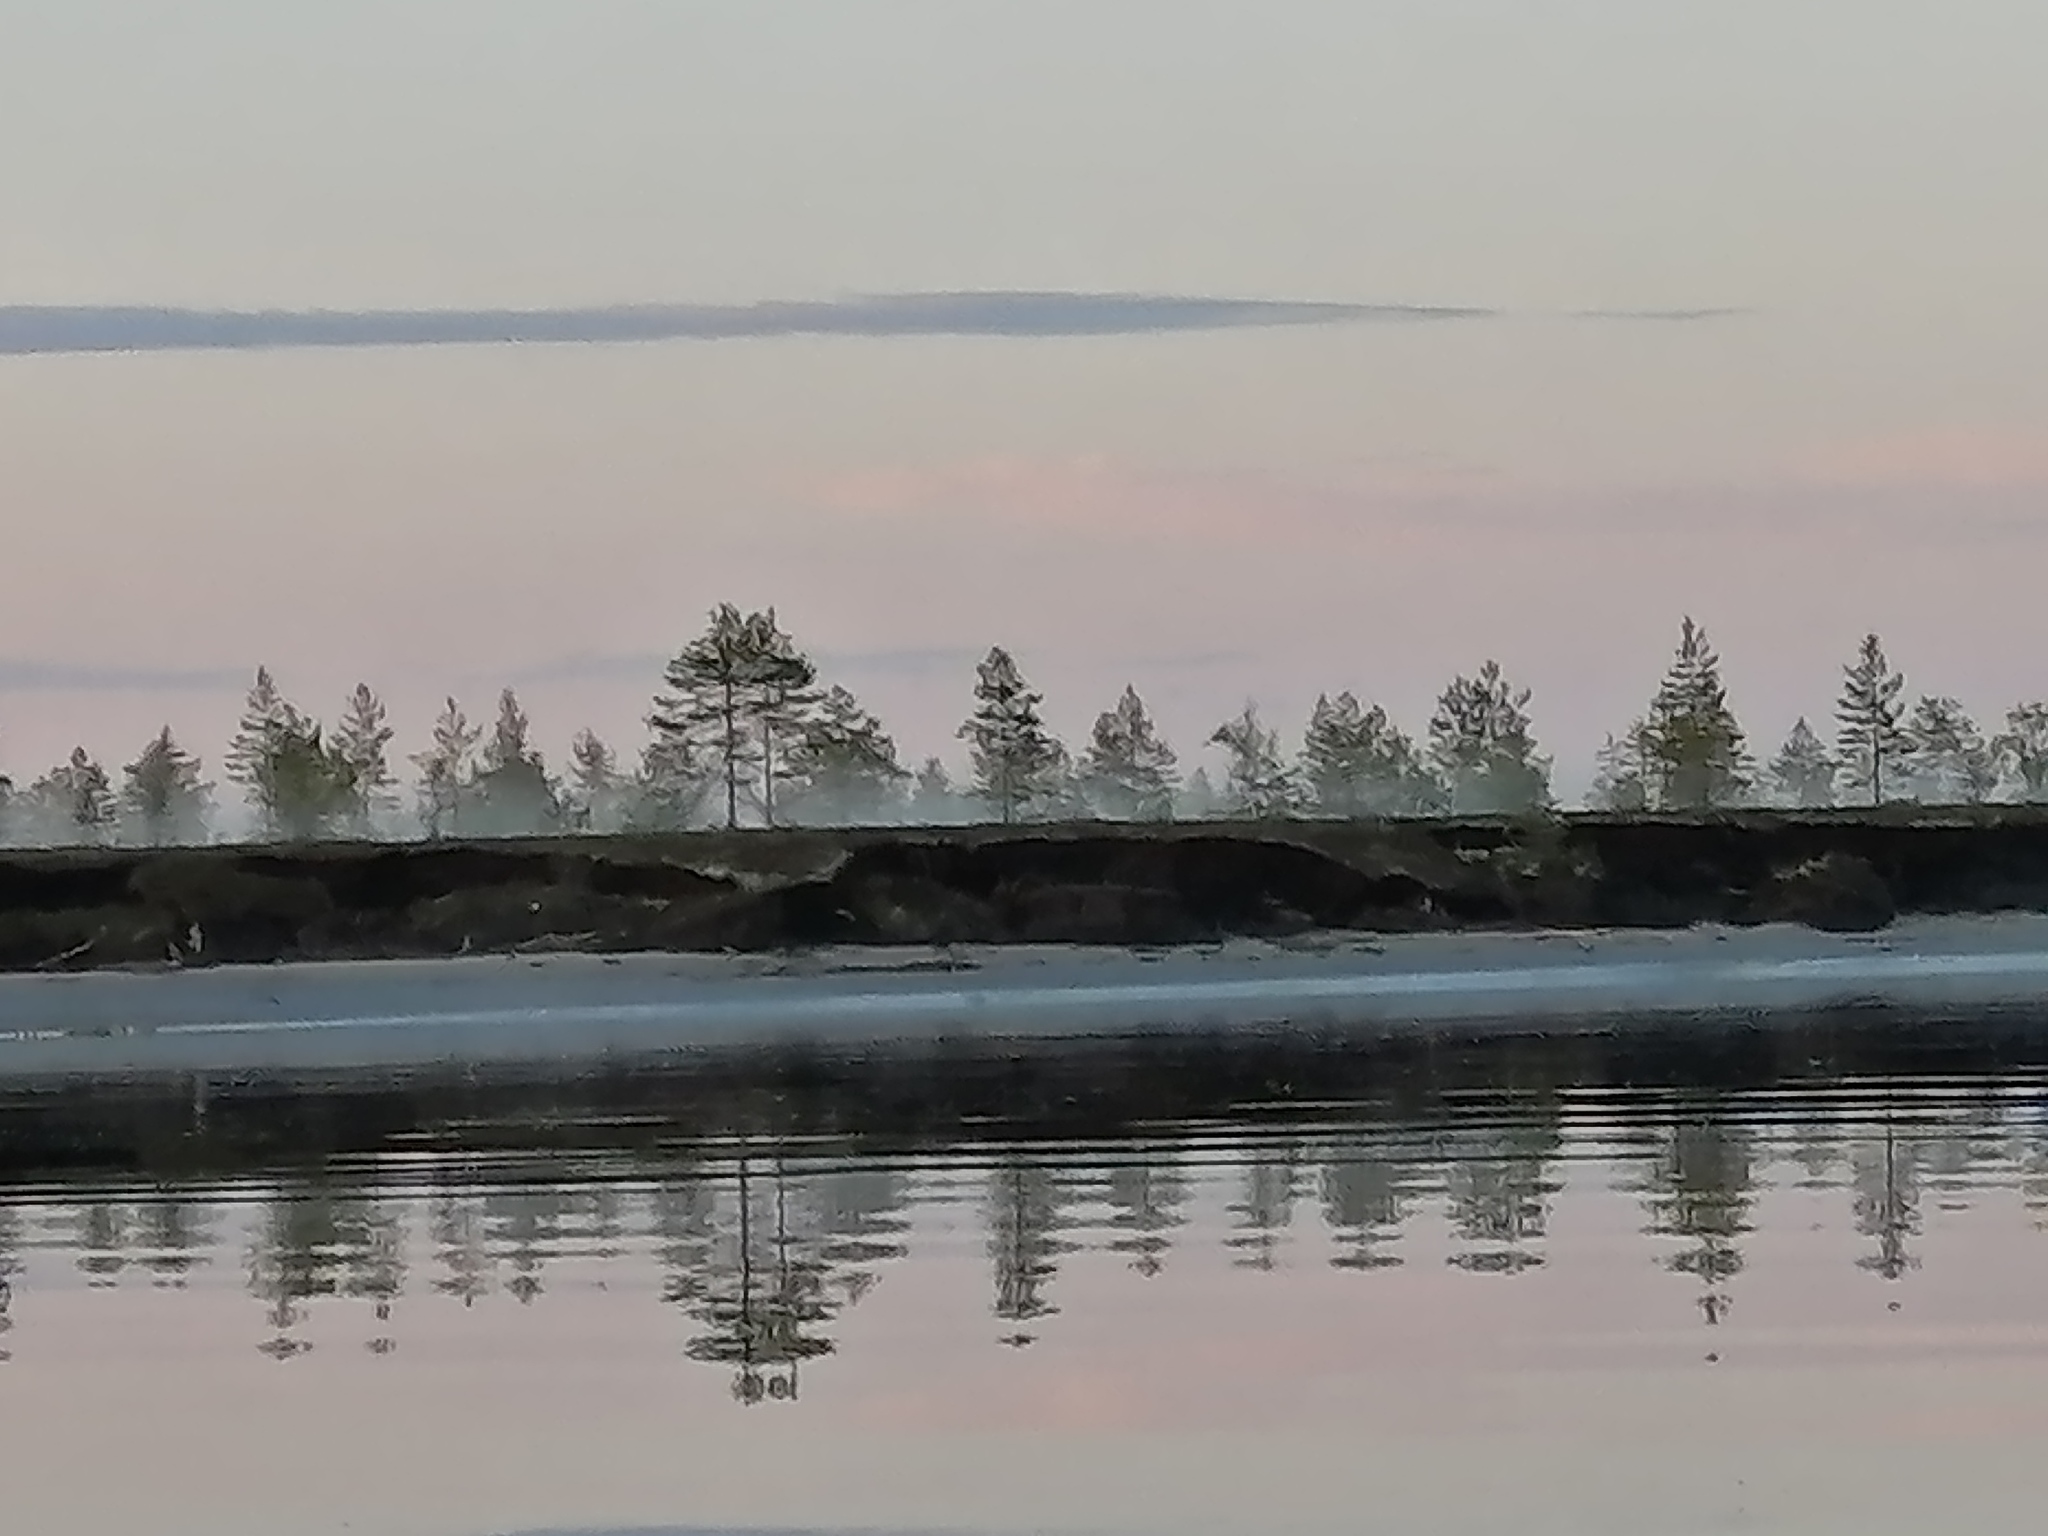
1795, 1285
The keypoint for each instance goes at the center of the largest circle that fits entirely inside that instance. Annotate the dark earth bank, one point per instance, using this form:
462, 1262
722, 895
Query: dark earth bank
77, 909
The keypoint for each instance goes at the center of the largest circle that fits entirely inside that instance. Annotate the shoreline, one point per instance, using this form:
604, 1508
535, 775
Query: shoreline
573, 1012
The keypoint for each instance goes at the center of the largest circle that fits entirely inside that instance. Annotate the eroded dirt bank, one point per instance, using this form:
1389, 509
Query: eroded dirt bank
1088, 884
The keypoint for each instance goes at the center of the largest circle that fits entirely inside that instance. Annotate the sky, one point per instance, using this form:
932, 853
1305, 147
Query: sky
1731, 311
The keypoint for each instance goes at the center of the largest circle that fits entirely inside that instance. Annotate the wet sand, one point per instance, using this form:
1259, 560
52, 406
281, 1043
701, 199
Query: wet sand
572, 1011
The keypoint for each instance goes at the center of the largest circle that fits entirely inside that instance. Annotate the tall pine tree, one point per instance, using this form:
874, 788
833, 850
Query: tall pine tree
2022, 751
1128, 773
1257, 781
163, 798
446, 770
844, 769
1698, 752
1356, 762
1483, 746
514, 795
362, 740
1870, 738
1803, 773
736, 699
1947, 761
1018, 764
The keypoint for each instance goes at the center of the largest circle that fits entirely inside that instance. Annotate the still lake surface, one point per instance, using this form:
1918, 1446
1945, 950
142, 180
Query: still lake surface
1769, 1281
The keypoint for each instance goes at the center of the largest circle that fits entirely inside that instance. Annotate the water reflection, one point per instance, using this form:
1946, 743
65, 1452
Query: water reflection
761, 1247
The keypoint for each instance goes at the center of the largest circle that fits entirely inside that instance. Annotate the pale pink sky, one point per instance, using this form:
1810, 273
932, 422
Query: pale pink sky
1862, 443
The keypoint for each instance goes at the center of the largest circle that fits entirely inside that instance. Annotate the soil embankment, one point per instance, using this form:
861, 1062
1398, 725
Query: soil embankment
1079, 884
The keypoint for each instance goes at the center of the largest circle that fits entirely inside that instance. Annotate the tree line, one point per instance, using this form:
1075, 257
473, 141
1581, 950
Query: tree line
744, 731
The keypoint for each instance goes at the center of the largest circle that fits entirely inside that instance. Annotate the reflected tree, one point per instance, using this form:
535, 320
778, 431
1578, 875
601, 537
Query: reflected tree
1025, 1219
104, 1237
467, 1267
861, 1218
292, 1260
1499, 1186
1700, 1188
370, 1234
175, 1233
1367, 1189
1272, 1182
524, 1227
1146, 1191
1885, 1178
765, 1292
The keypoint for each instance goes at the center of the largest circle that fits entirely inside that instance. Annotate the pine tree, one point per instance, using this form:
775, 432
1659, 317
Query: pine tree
788, 682
249, 754
736, 697
597, 790
1483, 747
844, 769
1622, 771
672, 786
1697, 750
296, 783
1803, 773
162, 795
1870, 740
308, 784
1257, 781
1946, 761
2022, 750
1017, 763
1356, 762
75, 800
1128, 772
512, 792
445, 771
362, 739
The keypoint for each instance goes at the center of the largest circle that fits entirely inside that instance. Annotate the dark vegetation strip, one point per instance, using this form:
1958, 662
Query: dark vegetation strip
1084, 883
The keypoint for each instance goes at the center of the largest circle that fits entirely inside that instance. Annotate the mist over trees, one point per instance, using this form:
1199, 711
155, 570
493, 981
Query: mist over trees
745, 731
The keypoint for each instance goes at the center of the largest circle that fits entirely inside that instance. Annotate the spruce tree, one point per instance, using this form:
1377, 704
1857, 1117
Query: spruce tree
844, 768
297, 784
1483, 747
1128, 772
2022, 751
308, 784
445, 771
75, 800
1803, 773
1870, 739
362, 739
163, 798
597, 797
514, 796
1947, 761
1356, 762
1622, 770
672, 787
1017, 762
1258, 783
736, 697
1697, 750
250, 750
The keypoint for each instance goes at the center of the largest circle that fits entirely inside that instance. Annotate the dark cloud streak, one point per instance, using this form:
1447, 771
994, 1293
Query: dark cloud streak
33, 329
